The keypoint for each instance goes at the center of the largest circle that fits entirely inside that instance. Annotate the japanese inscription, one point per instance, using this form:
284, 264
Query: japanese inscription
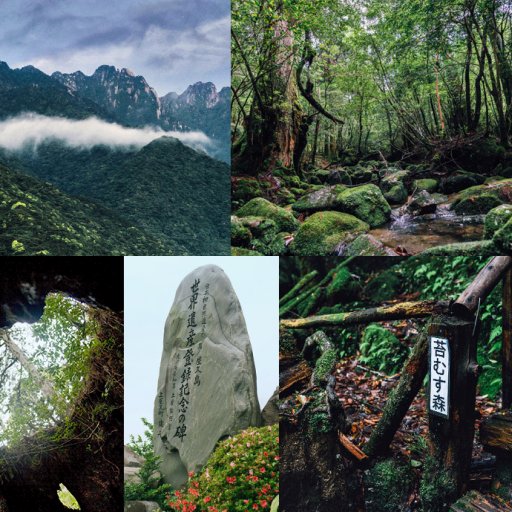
439, 376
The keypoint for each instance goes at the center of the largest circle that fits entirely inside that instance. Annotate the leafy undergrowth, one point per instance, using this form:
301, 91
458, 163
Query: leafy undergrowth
241, 475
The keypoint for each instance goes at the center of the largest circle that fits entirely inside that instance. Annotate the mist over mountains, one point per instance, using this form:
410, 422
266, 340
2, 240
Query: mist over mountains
153, 166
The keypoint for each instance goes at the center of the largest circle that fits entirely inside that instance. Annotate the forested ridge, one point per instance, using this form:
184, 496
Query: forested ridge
412, 98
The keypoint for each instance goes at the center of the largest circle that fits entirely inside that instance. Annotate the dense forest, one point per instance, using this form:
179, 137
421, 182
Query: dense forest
393, 114
358, 429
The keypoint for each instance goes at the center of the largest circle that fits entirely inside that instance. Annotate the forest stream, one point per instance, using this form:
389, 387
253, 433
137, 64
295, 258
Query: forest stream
418, 233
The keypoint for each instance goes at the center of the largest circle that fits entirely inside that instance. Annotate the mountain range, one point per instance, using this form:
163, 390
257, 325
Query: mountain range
165, 196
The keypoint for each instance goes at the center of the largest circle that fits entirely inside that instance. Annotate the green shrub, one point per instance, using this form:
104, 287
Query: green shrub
381, 350
242, 474
150, 487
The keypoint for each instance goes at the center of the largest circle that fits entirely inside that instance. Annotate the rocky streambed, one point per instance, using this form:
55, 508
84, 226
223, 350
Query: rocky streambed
375, 209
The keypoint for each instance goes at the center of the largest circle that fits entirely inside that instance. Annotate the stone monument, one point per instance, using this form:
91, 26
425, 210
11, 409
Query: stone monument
207, 382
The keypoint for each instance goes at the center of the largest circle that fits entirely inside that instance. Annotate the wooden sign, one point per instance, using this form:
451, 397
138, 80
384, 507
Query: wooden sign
439, 376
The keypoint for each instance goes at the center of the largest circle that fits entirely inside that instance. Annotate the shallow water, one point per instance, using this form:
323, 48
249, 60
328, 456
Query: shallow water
415, 234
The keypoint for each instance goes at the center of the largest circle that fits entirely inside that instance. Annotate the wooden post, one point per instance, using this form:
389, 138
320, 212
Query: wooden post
451, 438
507, 340
482, 285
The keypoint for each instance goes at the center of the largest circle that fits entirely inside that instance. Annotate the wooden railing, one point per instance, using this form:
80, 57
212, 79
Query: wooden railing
449, 347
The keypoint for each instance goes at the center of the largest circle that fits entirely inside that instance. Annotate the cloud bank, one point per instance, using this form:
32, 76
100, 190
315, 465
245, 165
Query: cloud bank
33, 129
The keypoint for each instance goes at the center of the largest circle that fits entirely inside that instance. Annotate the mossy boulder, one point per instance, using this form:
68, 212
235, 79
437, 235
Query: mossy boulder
266, 237
460, 181
476, 205
367, 245
324, 198
496, 218
422, 203
428, 184
387, 486
366, 203
483, 198
503, 238
323, 232
397, 194
339, 176
245, 189
476, 248
260, 207
240, 234
360, 174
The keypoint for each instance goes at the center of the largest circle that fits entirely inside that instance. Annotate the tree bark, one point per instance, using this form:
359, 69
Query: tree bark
506, 371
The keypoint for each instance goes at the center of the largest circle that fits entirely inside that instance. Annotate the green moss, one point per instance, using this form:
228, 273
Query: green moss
324, 366
383, 287
366, 203
477, 248
502, 239
366, 245
245, 189
287, 341
437, 487
266, 238
428, 184
397, 194
260, 207
497, 218
477, 204
387, 486
323, 232
240, 234
342, 286
317, 417
325, 198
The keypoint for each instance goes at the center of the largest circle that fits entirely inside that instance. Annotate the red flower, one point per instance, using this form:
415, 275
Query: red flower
207, 499
231, 479
262, 470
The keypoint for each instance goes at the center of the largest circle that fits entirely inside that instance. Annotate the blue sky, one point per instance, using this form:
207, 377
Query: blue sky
150, 285
172, 43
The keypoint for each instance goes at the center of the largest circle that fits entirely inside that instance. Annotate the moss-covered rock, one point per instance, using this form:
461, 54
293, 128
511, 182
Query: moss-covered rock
496, 218
260, 207
242, 251
387, 486
339, 176
483, 198
342, 288
428, 184
397, 194
476, 205
359, 174
323, 232
266, 237
460, 181
422, 203
240, 234
367, 245
245, 189
366, 203
324, 198
476, 248
503, 238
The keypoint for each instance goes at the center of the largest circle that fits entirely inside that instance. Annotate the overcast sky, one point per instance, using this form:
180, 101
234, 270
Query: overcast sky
150, 286
172, 43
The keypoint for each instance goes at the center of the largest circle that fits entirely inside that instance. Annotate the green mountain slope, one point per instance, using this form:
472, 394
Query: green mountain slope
166, 188
38, 219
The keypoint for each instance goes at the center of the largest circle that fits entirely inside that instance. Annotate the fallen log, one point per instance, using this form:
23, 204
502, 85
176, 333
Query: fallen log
351, 450
393, 312
294, 377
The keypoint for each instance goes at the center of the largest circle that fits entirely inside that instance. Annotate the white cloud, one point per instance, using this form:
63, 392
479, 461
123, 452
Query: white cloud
33, 129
